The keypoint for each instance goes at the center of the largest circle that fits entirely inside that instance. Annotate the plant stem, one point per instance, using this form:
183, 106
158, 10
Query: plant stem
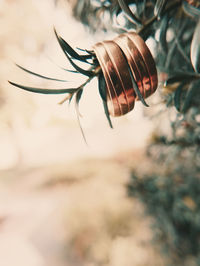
96, 72
153, 19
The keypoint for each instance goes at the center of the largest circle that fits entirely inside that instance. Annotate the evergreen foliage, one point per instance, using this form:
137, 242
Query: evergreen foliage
173, 200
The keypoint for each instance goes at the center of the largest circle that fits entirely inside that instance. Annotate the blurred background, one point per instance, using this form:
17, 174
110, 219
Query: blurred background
63, 202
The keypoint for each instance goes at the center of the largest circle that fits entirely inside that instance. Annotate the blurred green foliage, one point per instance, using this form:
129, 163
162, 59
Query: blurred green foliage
174, 202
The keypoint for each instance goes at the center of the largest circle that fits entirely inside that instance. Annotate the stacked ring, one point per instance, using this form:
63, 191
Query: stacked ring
125, 60
148, 60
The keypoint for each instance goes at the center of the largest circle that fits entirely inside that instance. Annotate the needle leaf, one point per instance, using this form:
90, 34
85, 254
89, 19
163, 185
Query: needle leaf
195, 49
136, 89
124, 6
159, 7
102, 91
43, 91
69, 50
38, 75
78, 97
177, 96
